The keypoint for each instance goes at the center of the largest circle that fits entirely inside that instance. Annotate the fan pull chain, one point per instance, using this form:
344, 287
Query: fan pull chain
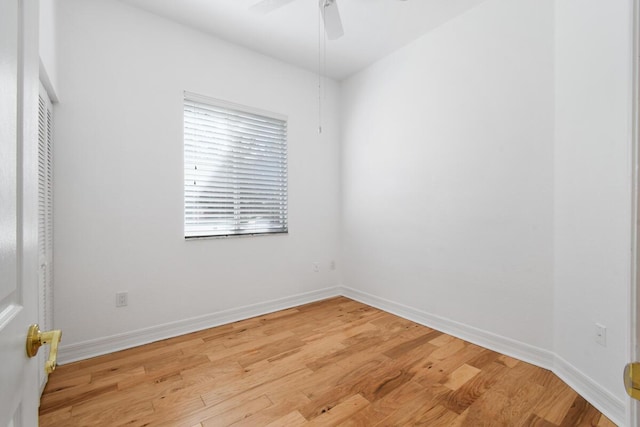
323, 87
320, 11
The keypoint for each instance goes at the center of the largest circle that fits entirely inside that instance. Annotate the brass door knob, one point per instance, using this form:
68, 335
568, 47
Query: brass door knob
632, 380
36, 339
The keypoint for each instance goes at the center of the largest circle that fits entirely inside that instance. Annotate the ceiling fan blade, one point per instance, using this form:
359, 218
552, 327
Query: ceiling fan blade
331, 17
265, 6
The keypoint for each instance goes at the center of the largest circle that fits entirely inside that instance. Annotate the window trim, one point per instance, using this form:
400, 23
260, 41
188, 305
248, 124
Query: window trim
215, 102
230, 105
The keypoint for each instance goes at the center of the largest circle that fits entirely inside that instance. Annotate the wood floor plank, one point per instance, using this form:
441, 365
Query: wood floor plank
278, 410
53, 401
238, 413
278, 390
266, 351
384, 407
340, 412
438, 367
214, 371
460, 376
185, 399
143, 392
536, 421
435, 416
189, 417
239, 350
361, 343
556, 403
57, 417
372, 380
605, 422
512, 408
483, 359
581, 414
509, 362
442, 340
348, 371
459, 400
332, 362
261, 376
106, 416
292, 419
412, 344
308, 353
409, 412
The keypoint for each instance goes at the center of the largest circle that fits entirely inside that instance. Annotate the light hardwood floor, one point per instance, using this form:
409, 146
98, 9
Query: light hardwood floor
334, 362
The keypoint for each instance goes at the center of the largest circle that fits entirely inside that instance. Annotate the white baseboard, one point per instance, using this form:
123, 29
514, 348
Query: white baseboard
603, 400
507, 346
97, 347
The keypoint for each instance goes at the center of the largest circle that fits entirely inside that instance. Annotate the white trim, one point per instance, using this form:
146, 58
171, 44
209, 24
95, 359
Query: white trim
196, 97
46, 82
97, 347
504, 345
633, 409
615, 409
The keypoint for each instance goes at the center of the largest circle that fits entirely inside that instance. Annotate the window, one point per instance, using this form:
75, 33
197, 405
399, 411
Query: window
235, 169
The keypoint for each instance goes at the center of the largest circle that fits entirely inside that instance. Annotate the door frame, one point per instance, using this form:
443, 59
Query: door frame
634, 288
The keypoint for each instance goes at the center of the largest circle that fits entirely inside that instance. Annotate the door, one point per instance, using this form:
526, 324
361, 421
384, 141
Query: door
19, 392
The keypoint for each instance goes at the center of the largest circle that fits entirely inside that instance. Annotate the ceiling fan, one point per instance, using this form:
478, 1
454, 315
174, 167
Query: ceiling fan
328, 9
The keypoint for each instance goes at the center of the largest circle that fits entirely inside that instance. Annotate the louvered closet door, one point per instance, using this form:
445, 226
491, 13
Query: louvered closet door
45, 220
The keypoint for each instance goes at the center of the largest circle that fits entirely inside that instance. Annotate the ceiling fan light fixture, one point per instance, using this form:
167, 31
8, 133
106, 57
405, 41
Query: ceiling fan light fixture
331, 18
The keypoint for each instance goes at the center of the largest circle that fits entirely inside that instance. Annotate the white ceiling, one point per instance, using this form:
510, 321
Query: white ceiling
373, 28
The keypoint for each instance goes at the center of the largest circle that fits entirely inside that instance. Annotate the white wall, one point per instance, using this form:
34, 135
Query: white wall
448, 173
119, 175
486, 183
483, 179
592, 186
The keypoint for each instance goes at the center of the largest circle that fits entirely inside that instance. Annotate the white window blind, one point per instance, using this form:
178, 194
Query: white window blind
235, 169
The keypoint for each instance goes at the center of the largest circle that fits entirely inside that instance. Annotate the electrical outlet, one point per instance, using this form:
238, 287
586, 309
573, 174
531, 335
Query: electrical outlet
316, 267
601, 334
122, 299
332, 265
